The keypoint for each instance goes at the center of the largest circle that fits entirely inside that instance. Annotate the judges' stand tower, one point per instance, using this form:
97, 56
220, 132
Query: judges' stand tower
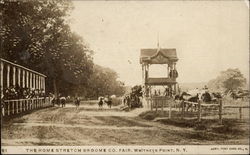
159, 56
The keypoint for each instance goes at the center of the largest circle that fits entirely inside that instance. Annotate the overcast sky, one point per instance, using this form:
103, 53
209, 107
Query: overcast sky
209, 36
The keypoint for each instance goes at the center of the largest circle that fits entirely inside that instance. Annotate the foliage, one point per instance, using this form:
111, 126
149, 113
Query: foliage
229, 80
104, 81
137, 90
36, 34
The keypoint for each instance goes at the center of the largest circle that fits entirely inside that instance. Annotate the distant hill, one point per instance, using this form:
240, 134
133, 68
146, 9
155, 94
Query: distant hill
193, 85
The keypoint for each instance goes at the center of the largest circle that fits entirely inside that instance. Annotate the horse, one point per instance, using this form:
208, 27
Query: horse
197, 96
108, 102
213, 97
63, 101
77, 102
181, 96
128, 99
100, 103
184, 96
125, 100
194, 99
241, 94
58, 101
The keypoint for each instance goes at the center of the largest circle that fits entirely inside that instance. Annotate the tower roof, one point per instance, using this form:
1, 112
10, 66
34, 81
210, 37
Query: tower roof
158, 56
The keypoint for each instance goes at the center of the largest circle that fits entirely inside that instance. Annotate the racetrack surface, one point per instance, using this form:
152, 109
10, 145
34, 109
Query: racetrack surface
89, 125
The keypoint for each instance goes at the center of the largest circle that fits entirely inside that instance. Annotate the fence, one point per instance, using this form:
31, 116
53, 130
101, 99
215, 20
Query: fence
219, 107
239, 107
159, 103
200, 105
18, 106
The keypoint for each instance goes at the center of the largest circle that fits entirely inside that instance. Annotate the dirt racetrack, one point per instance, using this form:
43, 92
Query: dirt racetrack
92, 126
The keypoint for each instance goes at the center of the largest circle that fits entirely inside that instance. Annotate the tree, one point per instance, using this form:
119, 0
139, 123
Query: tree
104, 81
36, 34
229, 80
137, 90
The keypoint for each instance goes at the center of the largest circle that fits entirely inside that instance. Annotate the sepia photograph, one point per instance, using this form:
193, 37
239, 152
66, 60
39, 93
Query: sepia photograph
124, 76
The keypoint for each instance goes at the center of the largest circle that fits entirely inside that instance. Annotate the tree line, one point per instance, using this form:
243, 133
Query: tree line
37, 35
230, 80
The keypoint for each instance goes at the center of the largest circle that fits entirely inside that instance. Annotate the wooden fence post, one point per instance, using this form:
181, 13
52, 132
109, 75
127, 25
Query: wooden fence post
21, 105
24, 102
156, 105
3, 109
199, 111
179, 105
17, 107
162, 105
170, 108
240, 111
147, 100
183, 109
13, 107
31, 104
220, 111
8, 105
27, 105
151, 104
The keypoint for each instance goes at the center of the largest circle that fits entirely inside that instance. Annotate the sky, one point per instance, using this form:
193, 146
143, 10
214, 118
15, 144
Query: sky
209, 36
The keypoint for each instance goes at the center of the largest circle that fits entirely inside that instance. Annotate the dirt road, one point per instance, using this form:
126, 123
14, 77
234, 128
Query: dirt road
92, 126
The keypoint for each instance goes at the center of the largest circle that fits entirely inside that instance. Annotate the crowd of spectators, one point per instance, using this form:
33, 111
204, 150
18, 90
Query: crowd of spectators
17, 92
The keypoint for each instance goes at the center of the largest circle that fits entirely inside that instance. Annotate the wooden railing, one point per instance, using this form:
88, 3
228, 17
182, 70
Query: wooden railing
200, 105
13, 107
159, 103
237, 107
219, 106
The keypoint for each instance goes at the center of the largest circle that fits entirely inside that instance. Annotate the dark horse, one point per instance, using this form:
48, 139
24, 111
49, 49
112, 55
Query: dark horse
211, 97
108, 101
187, 97
77, 102
100, 103
63, 101
205, 97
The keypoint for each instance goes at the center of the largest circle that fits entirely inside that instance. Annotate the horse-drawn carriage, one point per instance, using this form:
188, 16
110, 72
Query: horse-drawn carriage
134, 98
135, 101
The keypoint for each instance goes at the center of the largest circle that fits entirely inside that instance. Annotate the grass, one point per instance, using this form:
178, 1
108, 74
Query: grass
206, 129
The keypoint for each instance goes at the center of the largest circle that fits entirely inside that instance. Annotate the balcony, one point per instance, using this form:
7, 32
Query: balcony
160, 81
